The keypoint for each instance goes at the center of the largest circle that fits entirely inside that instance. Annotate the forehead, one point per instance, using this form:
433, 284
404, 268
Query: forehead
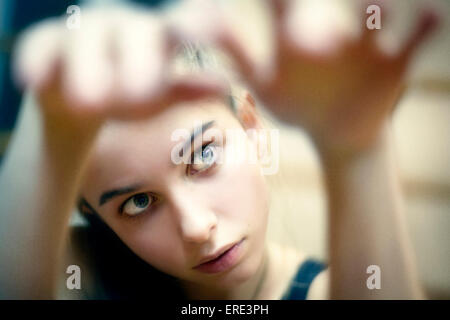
125, 151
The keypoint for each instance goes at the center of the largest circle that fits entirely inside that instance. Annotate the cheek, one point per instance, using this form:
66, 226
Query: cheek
152, 239
243, 209
240, 195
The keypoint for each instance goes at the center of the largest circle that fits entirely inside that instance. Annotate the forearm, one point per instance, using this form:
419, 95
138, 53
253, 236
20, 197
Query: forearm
367, 225
38, 184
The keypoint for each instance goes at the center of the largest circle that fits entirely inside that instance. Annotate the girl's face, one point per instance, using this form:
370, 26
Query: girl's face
174, 216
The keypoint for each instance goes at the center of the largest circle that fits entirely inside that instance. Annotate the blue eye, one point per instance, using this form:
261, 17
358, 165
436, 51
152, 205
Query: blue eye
203, 160
137, 204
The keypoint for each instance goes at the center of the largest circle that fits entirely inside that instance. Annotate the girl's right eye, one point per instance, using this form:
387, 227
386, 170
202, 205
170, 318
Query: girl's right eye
203, 159
137, 204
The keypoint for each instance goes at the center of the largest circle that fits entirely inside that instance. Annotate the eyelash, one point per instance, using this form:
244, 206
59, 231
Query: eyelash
156, 199
200, 150
153, 198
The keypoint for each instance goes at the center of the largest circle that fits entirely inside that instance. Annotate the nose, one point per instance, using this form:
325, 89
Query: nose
196, 221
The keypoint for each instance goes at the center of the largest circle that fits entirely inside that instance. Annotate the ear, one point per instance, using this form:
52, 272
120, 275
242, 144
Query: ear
247, 113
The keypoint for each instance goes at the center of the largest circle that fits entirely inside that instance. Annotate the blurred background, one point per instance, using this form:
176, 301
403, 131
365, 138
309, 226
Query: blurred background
421, 129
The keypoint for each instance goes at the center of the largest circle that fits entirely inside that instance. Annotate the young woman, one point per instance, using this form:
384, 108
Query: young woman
107, 108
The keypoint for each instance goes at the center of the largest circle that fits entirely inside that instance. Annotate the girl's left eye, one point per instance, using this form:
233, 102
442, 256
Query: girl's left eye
203, 159
137, 204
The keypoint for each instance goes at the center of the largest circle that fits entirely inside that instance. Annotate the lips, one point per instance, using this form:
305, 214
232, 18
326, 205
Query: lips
222, 260
217, 254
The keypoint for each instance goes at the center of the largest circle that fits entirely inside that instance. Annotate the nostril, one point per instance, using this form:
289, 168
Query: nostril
198, 231
196, 223
196, 237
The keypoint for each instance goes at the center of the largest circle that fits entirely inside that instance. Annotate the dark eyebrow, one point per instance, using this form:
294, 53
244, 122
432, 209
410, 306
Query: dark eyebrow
195, 133
108, 195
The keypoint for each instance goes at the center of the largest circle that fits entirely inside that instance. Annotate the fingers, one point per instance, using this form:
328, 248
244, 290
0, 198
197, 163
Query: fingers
241, 56
37, 54
318, 29
183, 89
195, 20
372, 13
142, 56
428, 22
195, 87
204, 21
279, 8
116, 64
88, 78
146, 45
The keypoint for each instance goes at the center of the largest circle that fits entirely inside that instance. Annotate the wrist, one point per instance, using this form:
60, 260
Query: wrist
60, 119
67, 140
337, 152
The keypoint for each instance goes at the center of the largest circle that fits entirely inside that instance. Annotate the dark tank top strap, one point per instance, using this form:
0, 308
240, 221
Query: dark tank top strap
306, 273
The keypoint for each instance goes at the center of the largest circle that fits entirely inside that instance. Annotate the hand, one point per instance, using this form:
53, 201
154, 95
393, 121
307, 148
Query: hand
116, 65
340, 88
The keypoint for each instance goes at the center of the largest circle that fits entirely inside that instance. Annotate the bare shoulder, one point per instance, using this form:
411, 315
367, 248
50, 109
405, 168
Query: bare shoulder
283, 265
319, 289
287, 261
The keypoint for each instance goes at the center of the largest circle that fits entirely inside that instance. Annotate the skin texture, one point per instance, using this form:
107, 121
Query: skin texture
196, 214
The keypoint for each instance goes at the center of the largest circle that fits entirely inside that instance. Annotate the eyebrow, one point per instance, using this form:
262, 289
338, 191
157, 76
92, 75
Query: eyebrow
195, 133
110, 194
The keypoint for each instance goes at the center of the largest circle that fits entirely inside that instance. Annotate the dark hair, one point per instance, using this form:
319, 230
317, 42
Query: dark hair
119, 273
